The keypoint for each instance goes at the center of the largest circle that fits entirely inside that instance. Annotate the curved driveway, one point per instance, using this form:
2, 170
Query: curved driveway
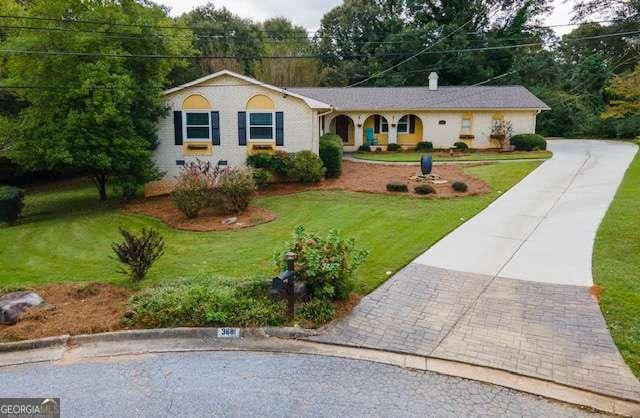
542, 229
509, 289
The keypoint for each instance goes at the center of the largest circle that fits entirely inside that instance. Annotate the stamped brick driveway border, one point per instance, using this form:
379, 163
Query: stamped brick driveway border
551, 332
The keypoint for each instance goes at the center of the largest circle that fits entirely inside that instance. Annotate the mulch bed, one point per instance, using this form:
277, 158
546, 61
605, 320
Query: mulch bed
70, 309
373, 178
162, 207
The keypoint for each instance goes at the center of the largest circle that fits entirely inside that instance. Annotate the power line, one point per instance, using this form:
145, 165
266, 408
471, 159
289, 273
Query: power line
493, 78
411, 57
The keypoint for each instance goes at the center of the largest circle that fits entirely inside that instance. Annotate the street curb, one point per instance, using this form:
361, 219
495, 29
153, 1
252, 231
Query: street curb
287, 340
34, 344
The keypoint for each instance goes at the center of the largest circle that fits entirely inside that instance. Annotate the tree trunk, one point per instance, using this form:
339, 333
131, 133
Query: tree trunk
100, 181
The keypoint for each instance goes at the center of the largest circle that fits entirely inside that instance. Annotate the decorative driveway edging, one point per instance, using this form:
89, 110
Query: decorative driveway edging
89, 348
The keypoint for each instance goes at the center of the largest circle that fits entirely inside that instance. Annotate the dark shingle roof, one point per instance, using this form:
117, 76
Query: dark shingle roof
445, 97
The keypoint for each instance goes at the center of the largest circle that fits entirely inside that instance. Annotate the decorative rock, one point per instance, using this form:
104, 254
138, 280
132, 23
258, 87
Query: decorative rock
13, 304
229, 221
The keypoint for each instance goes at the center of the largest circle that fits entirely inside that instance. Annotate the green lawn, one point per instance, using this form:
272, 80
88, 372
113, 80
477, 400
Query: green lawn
391, 156
66, 234
616, 266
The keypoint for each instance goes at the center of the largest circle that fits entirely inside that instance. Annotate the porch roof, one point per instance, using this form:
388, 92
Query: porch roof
418, 98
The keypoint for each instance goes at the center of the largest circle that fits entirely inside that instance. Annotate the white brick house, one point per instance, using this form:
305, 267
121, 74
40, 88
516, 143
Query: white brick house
225, 116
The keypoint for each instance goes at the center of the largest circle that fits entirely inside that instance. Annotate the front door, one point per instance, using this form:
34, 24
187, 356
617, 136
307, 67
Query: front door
342, 127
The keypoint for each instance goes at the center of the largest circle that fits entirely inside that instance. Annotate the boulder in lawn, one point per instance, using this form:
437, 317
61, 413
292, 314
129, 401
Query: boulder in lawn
13, 304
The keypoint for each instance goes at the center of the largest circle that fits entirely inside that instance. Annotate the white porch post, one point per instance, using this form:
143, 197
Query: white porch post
423, 120
358, 131
393, 134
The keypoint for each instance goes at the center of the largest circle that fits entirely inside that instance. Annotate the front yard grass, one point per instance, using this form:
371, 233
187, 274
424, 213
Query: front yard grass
616, 266
411, 156
65, 234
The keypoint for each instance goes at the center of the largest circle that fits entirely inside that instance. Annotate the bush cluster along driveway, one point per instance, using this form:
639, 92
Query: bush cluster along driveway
616, 266
65, 234
471, 156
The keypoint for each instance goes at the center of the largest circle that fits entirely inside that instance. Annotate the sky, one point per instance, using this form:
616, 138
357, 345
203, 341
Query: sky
308, 13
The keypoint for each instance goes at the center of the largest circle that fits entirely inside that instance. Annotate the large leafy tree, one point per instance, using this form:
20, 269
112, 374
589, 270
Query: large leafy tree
94, 111
625, 91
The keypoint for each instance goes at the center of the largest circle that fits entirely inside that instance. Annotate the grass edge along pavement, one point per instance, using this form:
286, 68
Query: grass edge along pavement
616, 266
65, 235
412, 156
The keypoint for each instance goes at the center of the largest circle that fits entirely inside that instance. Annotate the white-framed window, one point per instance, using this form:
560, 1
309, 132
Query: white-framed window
403, 124
466, 125
197, 125
261, 125
384, 126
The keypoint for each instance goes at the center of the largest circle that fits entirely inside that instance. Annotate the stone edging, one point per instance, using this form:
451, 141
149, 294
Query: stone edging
417, 163
285, 340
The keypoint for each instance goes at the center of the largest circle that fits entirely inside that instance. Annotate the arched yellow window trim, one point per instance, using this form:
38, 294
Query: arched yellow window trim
196, 101
260, 102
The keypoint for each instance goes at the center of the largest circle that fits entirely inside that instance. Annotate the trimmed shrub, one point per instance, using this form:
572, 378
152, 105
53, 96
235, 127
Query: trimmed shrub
204, 304
138, 252
194, 188
331, 154
394, 147
529, 142
278, 163
235, 189
306, 167
364, 148
326, 265
424, 146
317, 311
424, 189
397, 186
460, 146
260, 178
459, 186
11, 204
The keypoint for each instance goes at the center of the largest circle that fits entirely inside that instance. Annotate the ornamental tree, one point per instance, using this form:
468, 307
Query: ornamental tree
94, 108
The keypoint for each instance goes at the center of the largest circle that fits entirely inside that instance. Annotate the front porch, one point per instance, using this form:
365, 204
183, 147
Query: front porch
376, 130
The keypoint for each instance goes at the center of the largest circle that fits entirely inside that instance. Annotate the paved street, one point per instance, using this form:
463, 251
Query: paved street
262, 384
519, 300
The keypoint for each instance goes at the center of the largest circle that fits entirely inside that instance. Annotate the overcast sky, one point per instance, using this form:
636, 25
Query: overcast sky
308, 13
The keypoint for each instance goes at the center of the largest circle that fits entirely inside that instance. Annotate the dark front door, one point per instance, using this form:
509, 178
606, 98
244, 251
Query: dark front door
342, 127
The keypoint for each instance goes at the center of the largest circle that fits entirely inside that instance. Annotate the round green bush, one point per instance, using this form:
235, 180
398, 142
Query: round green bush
459, 186
331, 154
460, 145
364, 148
424, 189
306, 167
394, 147
424, 146
529, 142
236, 189
11, 204
317, 311
397, 186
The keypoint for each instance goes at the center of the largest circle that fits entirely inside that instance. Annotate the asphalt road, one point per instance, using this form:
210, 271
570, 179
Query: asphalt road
241, 384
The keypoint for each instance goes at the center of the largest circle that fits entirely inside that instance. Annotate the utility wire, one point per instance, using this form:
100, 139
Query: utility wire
493, 78
412, 56
308, 56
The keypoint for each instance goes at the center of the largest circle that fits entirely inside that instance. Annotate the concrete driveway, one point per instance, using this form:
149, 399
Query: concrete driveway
509, 289
542, 229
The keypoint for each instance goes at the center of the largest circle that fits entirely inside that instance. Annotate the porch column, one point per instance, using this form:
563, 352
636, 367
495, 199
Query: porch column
393, 133
358, 133
423, 120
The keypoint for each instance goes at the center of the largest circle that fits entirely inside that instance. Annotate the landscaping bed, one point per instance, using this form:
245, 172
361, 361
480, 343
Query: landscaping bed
162, 207
77, 308
443, 156
373, 178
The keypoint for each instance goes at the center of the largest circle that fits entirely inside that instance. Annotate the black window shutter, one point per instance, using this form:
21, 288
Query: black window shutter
215, 128
177, 127
242, 128
412, 124
376, 124
279, 129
